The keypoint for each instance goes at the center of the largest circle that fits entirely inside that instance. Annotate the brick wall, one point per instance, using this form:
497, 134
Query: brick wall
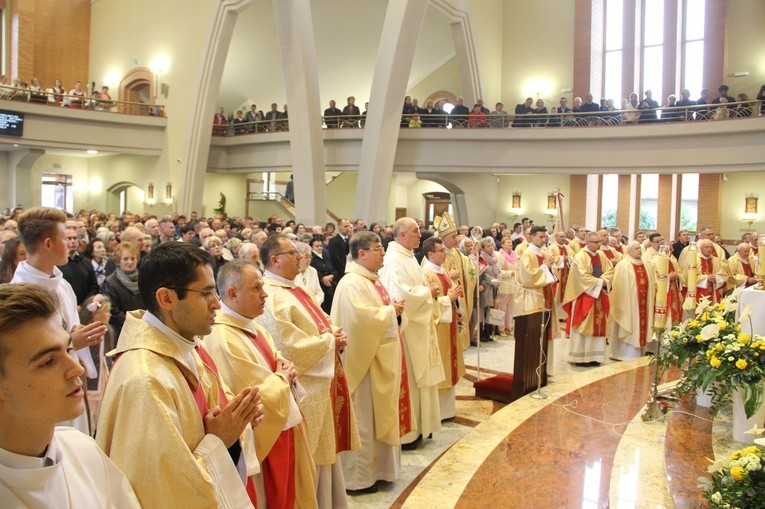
50, 39
710, 195
716, 46
577, 200
664, 205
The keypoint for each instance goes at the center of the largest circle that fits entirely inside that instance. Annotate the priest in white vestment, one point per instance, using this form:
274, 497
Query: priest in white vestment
304, 334
632, 300
375, 367
404, 279
41, 465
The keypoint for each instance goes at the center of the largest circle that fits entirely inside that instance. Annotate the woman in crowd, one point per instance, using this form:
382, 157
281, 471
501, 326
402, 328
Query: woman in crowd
233, 246
109, 238
324, 271
13, 254
742, 110
122, 286
96, 253
508, 283
541, 110
488, 282
308, 277
56, 93
214, 246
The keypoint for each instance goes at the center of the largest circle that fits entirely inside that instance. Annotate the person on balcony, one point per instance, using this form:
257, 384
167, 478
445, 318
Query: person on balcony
648, 108
76, 97
499, 117
332, 115
459, 114
523, 113
351, 113
252, 117
219, 123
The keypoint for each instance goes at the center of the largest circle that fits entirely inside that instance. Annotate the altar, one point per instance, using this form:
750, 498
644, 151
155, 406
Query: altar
755, 299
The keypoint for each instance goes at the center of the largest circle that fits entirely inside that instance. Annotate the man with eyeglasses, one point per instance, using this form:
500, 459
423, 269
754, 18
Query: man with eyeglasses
586, 302
447, 316
167, 420
375, 367
304, 334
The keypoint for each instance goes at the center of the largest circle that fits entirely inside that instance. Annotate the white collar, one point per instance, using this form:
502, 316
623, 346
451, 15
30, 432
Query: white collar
246, 322
286, 281
433, 267
184, 345
534, 249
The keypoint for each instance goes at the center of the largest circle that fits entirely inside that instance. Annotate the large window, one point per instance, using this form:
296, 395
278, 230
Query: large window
612, 82
693, 63
689, 202
57, 191
609, 196
650, 45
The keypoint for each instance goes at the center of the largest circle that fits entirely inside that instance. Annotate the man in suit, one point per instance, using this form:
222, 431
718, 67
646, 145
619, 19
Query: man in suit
332, 116
338, 246
326, 272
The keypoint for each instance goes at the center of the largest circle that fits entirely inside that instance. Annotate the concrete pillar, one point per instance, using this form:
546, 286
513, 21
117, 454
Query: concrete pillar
24, 187
298, 47
189, 170
398, 41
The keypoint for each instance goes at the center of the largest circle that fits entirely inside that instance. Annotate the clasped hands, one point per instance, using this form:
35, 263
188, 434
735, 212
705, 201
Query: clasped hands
228, 423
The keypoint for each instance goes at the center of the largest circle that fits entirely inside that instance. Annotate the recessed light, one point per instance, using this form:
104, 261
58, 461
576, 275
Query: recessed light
92, 152
15, 144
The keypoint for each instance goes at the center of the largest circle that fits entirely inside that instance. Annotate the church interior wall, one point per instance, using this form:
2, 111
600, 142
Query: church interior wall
445, 77
234, 186
487, 19
746, 46
735, 188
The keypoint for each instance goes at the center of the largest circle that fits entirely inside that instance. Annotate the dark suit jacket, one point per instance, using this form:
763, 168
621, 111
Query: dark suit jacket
338, 252
81, 276
324, 268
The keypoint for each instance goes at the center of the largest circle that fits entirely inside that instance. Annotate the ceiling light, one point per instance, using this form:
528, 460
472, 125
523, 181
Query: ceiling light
92, 152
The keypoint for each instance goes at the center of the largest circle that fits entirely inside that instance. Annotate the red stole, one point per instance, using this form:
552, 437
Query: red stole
586, 303
609, 254
404, 410
641, 278
559, 287
339, 394
548, 293
279, 465
452, 332
199, 397
706, 268
674, 298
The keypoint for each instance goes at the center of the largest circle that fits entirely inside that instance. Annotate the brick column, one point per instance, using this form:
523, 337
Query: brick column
577, 200
664, 206
715, 47
710, 196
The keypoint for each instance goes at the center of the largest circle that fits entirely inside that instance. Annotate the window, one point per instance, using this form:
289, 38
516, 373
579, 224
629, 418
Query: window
693, 64
649, 200
57, 191
612, 75
653, 48
609, 196
689, 202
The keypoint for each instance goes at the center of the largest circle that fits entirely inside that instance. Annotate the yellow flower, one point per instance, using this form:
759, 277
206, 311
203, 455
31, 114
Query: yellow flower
715, 362
705, 317
756, 354
741, 364
738, 473
738, 326
721, 306
693, 323
699, 338
722, 324
675, 333
719, 347
744, 338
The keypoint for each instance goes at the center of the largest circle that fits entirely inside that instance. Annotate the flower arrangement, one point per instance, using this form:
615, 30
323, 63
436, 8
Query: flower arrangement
738, 480
715, 353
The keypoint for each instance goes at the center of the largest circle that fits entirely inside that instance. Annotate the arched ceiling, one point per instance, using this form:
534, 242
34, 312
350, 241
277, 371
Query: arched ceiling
347, 34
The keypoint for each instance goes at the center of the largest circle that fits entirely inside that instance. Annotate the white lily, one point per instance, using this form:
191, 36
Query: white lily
736, 293
710, 331
755, 431
702, 305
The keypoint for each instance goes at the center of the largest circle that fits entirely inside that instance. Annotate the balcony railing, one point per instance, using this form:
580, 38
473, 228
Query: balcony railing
80, 102
662, 115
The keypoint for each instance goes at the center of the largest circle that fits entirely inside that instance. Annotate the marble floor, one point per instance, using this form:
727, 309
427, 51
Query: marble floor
583, 446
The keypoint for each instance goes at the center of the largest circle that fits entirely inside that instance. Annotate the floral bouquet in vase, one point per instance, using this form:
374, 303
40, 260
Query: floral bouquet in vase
739, 479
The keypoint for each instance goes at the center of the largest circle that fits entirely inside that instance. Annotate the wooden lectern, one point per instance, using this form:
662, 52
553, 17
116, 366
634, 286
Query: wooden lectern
508, 388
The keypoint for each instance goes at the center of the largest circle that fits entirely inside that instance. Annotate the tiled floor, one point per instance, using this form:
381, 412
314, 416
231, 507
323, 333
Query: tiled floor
584, 446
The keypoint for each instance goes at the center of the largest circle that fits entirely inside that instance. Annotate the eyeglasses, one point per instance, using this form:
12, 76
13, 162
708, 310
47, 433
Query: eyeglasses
379, 249
291, 252
206, 294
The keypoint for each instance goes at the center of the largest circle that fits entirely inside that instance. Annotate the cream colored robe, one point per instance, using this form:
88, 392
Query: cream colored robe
576, 245
241, 365
718, 251
296, 336
581, 281
443, 330
625, 314
468, 276
151, 428
534, 278
402, 276
374, 347
736, 275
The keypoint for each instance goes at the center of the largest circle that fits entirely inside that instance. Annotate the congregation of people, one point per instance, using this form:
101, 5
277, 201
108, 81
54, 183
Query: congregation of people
231, 362
530, 113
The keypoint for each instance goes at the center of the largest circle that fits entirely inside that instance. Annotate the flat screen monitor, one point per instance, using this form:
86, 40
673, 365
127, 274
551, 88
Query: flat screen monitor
11, 123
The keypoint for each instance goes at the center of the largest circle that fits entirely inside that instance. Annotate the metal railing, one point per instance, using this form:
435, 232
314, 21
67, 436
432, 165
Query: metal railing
80, 102
661, 115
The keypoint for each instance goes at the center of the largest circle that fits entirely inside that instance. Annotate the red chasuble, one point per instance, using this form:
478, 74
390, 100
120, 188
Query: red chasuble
641, 278
341, 398
609, 254
278, 467
706, 267
586, 303
404, 410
